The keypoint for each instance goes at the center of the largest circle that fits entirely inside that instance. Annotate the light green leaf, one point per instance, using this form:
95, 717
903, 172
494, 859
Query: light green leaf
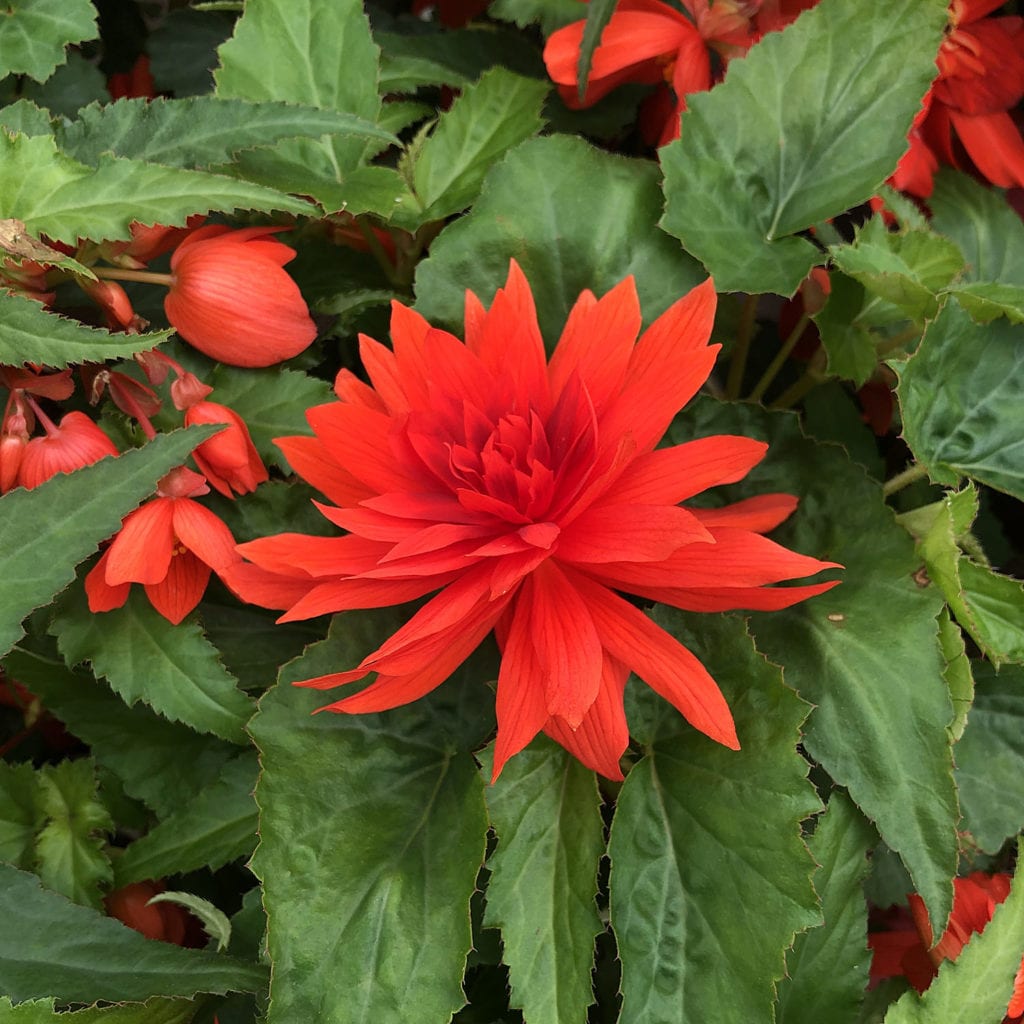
885, 741
997, 606
215, 921
50, 947
975, 989
20, 815
25, 117
173, 669
486, 121
141, 748
64, 199
591, 226
703, 913
987, 300
957, 674
155, 1011
315, 52
30, 334
961, 394
990, 757
71, 514
214, 828
545, 809
827, 968
71, 847
798, 132
34, 33
198, 131
392, 804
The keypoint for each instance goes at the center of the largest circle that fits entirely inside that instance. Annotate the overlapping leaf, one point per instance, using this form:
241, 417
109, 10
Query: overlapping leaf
799, 131
589, 225
34, 34
71, 514
20, 815
710, 879
155, 1011
545, 809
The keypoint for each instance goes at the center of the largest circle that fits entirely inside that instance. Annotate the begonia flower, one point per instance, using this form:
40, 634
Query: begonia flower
528, 494
910, 952
164, 922
170, 545
137, 82
228, 460
231, 298
76, 442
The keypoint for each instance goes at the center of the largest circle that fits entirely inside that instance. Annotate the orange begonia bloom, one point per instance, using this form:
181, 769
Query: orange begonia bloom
529, 493
169, 545
228, 460
75, 443
231, 298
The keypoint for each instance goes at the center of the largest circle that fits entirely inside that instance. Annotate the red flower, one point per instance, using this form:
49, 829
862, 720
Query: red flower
229, 460
138, 82
170, 545
77, 442
168, 922
909, 951
528, 493
231, 299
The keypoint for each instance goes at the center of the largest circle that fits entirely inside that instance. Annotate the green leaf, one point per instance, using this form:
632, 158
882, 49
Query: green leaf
990, 757
988, 231
70, 514
393, 804
50, 947
155, 1011
957, 674
64, 199
315, 52
71, 848
845, 330
593, 225
599, 13
141, 748
198, 131
885, 741
34, 33
183, 50
960, 395
702, 912
976, 989
25, 117
173, 669
987, 300
545, 809
273, 403
486, 121
551, 14
30, 334
798, 132
20, 815
215, 921
216, 827
77, 82
827, 968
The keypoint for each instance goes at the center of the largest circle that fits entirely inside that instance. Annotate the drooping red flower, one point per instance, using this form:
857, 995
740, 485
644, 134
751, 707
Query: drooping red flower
231, 298
165, 922
170, 545
528, 493
134, 83
228, 460
75, 443
909, 951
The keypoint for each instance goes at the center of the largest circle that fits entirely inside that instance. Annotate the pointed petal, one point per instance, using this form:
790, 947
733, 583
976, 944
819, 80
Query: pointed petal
345, 595
408, 329
349, 388
304, 556
181, 589
725, 599
629, 533
994, 143
203, 533
101, 595
253, 585
759, 514
668, 476
660, 660
311, 460
141, 552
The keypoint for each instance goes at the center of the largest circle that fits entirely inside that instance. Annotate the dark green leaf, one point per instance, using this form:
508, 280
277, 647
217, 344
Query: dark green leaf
710, 879
599, 13
827, 968
52, 947
183, 50
70, 514
551, 14
844, 324
199, 131
20, 815
216, 827
990, 757
592, 224
173, 669
545, 809
30, 334
34, 33
798, 132
77, 82
961, 395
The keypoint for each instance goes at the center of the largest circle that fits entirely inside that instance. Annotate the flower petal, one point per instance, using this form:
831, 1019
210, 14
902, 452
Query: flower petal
310, 458
141, 552
181, 589
203, 533
101, 595
759, 514
630, 533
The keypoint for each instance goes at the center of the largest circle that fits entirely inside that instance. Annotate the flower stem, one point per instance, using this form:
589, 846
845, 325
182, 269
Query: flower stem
901, 480
145, 276
780, 358
897, 341
744, 334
